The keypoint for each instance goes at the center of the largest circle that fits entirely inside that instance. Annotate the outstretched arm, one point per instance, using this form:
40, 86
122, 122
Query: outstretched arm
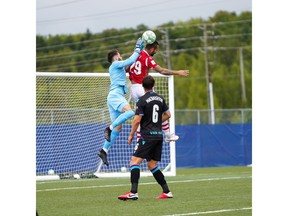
166, 71
129, 61
134, 56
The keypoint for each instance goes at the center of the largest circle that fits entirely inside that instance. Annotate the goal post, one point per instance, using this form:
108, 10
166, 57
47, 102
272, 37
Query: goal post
71, 114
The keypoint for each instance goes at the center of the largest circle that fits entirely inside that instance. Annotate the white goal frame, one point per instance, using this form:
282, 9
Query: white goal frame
170, 170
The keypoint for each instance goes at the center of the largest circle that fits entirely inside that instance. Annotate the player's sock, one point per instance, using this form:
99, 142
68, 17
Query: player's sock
158, 175
122, 118
114, 135
165, 127
135, 175
138, 135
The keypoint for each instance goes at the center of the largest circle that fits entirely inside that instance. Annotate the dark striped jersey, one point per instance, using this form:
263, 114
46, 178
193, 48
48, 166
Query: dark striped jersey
151, 106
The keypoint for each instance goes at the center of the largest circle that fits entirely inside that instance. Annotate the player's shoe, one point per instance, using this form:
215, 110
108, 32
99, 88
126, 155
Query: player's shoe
128, 196
103, 155
171, 137
165, 196
107, 134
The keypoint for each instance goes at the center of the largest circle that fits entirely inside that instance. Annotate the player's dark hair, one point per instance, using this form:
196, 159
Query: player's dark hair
153, 45
148, 82
111, 54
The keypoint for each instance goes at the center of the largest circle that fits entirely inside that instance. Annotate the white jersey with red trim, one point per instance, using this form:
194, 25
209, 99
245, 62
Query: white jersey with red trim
140, 68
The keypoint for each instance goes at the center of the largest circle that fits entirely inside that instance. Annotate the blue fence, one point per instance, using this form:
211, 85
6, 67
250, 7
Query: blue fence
198, 146
214, 145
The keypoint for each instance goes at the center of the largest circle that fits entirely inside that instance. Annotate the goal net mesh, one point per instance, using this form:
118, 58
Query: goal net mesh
71, 114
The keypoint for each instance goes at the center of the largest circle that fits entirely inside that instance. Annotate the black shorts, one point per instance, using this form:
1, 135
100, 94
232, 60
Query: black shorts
148, 149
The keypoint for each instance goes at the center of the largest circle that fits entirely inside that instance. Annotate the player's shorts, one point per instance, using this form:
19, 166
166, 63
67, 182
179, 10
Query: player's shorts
116, 102
148, 150
137, 91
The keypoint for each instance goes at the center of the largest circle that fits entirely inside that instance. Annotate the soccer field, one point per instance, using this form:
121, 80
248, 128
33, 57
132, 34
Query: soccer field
197, 191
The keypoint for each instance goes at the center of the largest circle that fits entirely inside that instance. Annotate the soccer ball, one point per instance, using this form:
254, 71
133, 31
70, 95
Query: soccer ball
123, 169
51, 172
76, 176
149, 37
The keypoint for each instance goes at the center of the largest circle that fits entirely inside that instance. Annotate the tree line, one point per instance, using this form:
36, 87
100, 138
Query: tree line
219, 48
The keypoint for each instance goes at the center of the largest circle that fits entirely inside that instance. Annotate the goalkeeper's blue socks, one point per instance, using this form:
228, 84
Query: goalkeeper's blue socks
114, 135
122, 118
158, 175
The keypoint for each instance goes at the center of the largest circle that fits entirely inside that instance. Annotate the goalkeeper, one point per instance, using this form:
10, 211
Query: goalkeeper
139, 70
119, 109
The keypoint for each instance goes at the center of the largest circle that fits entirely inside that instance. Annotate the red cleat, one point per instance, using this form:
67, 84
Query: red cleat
129, 196
165, 195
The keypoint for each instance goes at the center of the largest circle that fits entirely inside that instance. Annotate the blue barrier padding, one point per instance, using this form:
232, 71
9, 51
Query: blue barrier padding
214, 145
76, 145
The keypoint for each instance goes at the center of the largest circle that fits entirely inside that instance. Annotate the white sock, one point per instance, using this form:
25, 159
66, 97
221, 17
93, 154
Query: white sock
165, 128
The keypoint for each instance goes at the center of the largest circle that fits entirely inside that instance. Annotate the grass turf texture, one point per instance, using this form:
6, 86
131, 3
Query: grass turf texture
197, 191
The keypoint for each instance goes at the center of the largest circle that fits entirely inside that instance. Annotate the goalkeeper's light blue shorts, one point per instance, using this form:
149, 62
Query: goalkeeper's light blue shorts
116, 102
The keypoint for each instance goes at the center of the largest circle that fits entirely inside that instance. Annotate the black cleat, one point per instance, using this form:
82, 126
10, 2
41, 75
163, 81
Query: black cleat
102, 154
107, 134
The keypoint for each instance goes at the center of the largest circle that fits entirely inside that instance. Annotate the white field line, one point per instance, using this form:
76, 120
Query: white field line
147, 183
211, 212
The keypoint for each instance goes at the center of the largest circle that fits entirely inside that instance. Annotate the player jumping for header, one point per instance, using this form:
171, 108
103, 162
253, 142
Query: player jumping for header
119, 109
139, 69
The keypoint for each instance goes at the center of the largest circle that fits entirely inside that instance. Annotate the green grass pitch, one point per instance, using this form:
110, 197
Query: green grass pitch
216, 191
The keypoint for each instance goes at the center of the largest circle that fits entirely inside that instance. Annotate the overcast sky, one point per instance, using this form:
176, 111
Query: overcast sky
76, 16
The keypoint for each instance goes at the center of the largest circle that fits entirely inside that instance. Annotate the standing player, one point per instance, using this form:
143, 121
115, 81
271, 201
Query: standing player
119, 108
140, 69
151, 111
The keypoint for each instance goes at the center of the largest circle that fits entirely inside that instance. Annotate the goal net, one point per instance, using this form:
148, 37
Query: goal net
71, 114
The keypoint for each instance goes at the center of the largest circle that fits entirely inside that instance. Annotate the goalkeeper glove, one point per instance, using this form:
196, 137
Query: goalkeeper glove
139, 45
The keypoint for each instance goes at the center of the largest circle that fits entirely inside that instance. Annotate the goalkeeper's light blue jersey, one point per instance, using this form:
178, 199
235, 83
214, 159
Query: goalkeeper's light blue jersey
118, 74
